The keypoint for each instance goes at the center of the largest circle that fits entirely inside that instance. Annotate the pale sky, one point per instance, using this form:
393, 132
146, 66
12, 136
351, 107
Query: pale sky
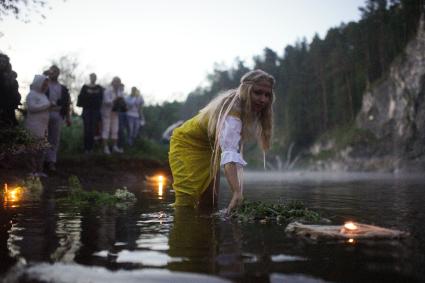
166, 48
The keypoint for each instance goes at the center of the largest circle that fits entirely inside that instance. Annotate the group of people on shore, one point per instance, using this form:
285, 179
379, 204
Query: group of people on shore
110, 115
107, 114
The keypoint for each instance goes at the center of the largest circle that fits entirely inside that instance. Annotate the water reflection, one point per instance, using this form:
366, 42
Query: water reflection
32, 234
151, 234
157, 183
194, 238
68, 230
12, 195
6, 223
98, 233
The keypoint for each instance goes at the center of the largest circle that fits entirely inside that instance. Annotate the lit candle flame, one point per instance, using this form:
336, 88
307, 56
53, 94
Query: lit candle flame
351, 241
350, 226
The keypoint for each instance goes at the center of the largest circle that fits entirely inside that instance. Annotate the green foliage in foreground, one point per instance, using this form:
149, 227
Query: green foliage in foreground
80, 198
16, 140
281, 213
72, 137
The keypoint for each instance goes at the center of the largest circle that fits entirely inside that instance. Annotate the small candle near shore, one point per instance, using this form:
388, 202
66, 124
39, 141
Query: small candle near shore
350, 226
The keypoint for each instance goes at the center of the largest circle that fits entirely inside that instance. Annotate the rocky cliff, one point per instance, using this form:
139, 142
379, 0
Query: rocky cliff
393, 111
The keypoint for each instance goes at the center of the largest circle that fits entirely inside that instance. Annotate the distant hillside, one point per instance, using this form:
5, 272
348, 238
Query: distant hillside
392, 115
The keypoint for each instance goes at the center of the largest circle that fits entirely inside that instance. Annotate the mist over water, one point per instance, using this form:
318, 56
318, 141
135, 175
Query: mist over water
331, 177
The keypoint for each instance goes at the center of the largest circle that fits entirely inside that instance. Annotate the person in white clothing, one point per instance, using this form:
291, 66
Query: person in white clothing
58, 94
134, 115
111, 104
215, 137
37, 119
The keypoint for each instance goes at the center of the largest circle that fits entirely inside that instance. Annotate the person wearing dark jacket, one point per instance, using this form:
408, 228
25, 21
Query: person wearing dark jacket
59, 96
9, 94
90, 99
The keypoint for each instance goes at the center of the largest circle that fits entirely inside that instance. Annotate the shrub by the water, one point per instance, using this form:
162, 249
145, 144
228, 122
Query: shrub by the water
81, 198
124, 195
280, 213
17, 140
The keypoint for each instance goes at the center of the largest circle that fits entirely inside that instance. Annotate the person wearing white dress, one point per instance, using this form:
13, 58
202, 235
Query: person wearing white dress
215, 137
109, 114
37, 118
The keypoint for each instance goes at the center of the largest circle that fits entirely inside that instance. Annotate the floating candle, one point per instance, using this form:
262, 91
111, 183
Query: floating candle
350, 226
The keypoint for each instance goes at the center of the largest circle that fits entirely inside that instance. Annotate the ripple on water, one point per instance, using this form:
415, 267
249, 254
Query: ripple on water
67, 273
286, 258
148, 258
294, 278
157, 242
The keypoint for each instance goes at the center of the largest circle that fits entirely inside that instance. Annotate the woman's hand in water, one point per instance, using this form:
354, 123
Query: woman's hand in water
237, 199
231, 172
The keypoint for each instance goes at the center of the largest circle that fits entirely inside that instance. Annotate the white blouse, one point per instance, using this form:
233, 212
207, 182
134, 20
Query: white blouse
229, 141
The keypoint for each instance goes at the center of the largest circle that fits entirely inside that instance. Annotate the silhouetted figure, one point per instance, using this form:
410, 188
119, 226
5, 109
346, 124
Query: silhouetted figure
9, 92
90, 99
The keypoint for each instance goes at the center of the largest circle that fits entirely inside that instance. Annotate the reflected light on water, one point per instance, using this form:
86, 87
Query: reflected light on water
12, 195
157, 184
160, 180
160, 185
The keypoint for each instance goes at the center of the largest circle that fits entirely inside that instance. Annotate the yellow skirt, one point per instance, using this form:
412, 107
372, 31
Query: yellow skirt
190, 162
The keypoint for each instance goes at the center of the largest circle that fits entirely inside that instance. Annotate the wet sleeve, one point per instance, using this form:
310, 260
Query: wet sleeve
229, 141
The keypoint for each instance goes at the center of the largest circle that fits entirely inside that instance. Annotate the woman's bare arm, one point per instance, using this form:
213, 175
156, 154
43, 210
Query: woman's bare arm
231, 172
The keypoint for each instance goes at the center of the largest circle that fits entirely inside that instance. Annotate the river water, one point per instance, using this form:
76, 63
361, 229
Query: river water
46, 240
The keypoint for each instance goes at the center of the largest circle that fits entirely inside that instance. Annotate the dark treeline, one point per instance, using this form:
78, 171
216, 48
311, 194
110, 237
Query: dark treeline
319, 84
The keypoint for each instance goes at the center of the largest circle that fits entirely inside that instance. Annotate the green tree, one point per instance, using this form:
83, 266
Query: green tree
159, 117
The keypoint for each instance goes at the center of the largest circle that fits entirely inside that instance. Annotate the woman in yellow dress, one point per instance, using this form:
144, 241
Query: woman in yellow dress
215, 137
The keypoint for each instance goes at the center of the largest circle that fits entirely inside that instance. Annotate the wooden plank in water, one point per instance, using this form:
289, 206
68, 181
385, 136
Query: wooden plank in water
352, 231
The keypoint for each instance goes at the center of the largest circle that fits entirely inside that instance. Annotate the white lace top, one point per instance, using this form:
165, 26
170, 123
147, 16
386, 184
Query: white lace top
229, 141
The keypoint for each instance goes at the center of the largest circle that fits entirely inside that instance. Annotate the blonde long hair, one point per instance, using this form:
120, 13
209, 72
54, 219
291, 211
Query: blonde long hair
239, 100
